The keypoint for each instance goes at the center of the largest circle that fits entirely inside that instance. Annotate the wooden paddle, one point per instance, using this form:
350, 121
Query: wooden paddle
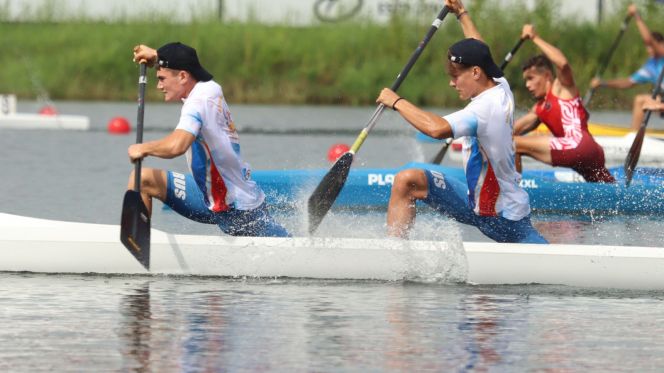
446, 145
635, 150
589, 94
328, 189
135, 224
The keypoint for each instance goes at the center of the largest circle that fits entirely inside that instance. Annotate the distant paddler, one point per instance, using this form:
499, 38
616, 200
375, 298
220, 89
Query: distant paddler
219, 189
491, 199
561, 109
647, 74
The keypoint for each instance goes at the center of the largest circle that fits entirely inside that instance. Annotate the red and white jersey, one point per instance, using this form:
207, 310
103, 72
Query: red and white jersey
567, 120
214, 157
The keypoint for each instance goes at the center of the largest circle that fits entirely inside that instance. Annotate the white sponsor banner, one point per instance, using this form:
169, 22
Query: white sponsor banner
291, 12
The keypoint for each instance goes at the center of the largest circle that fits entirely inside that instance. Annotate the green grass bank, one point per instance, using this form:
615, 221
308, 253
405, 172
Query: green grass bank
345, 63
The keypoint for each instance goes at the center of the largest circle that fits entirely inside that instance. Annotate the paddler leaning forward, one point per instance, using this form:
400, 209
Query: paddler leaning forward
492, 199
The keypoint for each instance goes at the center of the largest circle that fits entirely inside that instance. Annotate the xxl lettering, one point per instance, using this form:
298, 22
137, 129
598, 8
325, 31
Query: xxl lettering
528, 183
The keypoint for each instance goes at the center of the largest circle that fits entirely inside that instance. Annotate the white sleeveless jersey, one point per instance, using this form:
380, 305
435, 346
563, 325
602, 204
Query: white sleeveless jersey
214, 157
493, 183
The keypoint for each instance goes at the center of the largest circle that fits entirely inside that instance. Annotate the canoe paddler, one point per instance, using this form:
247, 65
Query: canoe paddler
491, 199
561, 109
218, 190
646, 74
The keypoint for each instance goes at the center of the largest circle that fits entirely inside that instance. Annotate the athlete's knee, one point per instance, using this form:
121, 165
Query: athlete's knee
153, 182
409, 182
640, 99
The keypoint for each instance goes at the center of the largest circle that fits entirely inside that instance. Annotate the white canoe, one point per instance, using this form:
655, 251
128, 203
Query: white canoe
615, 148
44, 122
48, 246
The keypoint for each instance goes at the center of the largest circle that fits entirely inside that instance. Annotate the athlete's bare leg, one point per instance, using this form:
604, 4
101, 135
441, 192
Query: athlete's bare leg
534, 146
153, 184
637, 110
409, 186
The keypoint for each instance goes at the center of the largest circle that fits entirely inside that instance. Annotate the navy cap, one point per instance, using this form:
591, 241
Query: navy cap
178, 56
472, 52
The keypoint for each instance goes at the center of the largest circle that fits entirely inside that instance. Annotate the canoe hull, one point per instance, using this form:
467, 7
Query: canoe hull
47, 246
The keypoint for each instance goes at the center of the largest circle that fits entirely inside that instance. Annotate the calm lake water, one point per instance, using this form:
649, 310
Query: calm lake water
163, 324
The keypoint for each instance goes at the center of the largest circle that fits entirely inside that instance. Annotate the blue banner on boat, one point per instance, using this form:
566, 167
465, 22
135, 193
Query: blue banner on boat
550, 190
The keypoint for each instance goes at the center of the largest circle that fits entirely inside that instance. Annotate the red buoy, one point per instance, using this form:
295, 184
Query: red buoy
119, 126
48, 110
336, 151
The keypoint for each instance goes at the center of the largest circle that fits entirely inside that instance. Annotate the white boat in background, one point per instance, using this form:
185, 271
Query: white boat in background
49, 246
10, 119
44, 122
615, 148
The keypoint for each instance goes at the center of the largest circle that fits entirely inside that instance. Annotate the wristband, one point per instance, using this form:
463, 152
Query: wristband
394, 105
461, 14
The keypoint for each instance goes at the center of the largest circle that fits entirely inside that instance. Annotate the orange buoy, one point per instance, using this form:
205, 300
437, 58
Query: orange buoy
48, 110
119, 126
336, 151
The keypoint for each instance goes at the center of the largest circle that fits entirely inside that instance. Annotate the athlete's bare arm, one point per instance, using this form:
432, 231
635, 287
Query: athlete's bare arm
171, 146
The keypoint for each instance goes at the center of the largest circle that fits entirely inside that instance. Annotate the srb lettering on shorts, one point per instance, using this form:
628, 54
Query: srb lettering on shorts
180, 186
380, 179
438, 179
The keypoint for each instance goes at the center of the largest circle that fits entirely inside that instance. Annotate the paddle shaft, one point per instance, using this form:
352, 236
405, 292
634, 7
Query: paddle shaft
635, 150
400, 78
135, 222
605, 64
441, 153
142, 82
446, 145
511, 54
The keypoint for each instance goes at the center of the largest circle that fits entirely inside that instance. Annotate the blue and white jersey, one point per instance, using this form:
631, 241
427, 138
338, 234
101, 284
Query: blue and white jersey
214, 157
649, 72
493, 182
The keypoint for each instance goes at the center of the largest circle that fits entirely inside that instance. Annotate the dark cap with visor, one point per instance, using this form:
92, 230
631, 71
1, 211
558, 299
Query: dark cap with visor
472, 52
178, 56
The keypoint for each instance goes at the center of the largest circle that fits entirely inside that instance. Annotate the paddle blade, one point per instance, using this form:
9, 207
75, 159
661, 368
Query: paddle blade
326, 192
135, 227
633, 155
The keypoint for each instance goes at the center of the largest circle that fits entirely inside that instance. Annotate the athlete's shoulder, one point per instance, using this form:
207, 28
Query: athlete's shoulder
502, 81
207, 89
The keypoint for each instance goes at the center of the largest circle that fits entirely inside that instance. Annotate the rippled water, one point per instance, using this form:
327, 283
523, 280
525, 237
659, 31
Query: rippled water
92, 323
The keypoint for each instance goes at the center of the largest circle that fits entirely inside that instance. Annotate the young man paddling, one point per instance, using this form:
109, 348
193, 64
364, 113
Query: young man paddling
219, 189
492, 200
561, 109
648, 73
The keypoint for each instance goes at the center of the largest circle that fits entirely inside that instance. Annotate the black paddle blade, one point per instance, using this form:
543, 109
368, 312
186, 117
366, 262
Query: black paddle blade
135, 227
633, 155
326, 192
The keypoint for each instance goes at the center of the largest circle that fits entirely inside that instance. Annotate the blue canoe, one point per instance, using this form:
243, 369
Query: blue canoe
551, 190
